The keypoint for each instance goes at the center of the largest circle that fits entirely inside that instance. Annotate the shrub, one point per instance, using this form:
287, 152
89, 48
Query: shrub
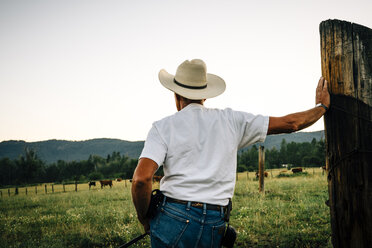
95, 175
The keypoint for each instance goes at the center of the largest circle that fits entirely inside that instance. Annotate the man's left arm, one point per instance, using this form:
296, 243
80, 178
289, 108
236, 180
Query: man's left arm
142, 187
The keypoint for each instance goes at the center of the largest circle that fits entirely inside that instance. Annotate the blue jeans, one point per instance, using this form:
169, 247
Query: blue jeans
184, 226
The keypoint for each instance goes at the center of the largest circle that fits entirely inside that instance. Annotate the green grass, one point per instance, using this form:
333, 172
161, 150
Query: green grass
291, 213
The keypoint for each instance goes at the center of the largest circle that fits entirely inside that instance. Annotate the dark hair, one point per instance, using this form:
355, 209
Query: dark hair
187, 100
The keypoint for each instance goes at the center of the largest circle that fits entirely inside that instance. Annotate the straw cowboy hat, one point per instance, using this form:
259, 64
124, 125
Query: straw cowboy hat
192, 81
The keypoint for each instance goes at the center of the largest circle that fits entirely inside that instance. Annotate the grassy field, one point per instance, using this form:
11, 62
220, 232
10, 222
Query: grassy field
291, 213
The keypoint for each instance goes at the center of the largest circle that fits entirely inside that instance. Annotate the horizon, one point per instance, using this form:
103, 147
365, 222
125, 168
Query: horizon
76, 70
130, 140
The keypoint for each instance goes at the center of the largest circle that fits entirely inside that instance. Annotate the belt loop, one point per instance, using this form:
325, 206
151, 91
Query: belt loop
221, 210
188, 205
204, 208
164, 200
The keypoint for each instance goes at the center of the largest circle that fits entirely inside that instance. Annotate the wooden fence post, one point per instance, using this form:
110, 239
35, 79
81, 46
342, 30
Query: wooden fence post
125, 181
247, 175
64, 190
8, 192
75, 186
16, 191
261, 169
46, 189
52, 188
35, 189
26, 190
346, 57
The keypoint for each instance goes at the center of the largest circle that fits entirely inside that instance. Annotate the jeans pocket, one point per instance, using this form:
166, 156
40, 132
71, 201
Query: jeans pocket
218, 231
167, 227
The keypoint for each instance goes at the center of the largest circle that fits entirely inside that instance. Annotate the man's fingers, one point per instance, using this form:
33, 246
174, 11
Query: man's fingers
325, 87
325, 84
321, 82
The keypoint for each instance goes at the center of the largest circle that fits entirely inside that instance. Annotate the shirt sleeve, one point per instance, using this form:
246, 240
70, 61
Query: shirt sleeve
250, 128
154, 148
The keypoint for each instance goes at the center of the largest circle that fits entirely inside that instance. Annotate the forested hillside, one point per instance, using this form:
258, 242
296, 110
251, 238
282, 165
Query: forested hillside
51, 151
299, 137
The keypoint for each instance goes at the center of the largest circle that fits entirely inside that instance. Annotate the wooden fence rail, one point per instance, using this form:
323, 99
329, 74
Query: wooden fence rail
55, 188
261, 169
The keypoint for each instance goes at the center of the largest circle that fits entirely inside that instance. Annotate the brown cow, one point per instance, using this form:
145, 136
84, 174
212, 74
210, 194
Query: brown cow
265, 173
106, 182
119, 179
296, 170
157, 178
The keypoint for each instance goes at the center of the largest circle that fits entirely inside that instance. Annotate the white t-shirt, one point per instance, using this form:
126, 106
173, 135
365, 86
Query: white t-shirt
198, 147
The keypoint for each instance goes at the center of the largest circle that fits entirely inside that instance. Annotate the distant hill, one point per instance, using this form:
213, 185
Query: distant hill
53, 150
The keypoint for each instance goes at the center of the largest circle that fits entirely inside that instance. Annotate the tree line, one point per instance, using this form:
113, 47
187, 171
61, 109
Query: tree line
306, 154
30, 169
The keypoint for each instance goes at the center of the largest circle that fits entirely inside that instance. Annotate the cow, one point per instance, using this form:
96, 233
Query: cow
119, 179
105, 182
296, 170
265, 174
157, 178
92, 184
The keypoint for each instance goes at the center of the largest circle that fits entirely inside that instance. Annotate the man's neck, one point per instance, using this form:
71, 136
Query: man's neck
182, 102
184, 105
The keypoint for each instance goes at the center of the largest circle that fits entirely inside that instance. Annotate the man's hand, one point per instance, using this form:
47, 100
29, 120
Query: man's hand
322, 94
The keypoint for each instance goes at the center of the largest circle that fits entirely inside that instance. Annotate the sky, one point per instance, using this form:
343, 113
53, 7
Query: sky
84, 69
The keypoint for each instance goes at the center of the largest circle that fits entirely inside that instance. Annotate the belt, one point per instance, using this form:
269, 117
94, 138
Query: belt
198, 204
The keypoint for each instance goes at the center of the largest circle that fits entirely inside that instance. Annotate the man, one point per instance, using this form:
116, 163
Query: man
197, 147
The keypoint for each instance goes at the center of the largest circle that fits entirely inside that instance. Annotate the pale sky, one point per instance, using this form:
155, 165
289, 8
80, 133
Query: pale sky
77, 70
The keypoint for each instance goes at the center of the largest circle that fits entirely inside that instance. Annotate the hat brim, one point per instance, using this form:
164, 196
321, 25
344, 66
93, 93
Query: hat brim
215, 86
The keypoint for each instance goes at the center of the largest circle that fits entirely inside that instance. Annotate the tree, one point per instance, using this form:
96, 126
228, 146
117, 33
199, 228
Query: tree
7, 171
30, 167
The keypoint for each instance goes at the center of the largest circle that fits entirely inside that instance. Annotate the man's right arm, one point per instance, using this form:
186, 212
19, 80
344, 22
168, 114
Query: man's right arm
298, 121
141, 188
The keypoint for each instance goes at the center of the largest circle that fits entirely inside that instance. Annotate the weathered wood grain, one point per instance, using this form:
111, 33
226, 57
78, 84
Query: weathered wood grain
346, 53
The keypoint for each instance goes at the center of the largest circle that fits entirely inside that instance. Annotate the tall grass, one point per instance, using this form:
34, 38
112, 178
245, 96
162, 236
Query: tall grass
291, 213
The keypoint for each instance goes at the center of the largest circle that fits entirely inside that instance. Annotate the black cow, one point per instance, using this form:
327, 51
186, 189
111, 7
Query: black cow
92, 184
296, 170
